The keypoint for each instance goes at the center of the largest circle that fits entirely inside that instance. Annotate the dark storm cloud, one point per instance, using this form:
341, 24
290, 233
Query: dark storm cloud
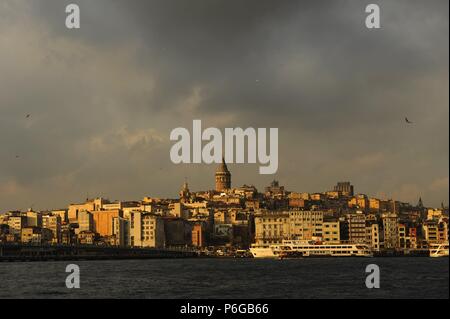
107, 95
253, 55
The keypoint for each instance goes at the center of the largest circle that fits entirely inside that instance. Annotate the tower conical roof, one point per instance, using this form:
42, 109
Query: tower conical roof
222, 167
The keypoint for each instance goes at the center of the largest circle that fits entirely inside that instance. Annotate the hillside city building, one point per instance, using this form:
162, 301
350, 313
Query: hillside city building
234, 218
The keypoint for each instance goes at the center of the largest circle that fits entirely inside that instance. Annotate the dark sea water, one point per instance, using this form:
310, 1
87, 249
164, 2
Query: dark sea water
229, 278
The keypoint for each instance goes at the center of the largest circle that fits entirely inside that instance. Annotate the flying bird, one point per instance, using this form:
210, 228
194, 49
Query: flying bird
408, 121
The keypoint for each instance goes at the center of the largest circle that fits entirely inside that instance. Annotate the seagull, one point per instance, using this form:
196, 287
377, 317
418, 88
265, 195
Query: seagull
408, 121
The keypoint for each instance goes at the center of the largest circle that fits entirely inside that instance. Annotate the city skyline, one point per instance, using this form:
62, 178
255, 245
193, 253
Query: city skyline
223, 182
238, 218
89, 111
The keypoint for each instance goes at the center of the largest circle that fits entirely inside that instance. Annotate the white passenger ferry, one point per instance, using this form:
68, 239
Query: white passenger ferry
439, 250
302, 248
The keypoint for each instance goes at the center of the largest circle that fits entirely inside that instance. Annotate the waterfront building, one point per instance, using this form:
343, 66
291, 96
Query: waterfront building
407, 236
373, 235
435, 231
273, 227
103, 221
412, 238
331, 231
128, 207
4, 232
53, 223
74, 209
223, 234
36, 235
356, 227
146, 230
390, 231
121, 231
87, 237
305, 225
68, 236
16, 223
12, 238
241, 235
178, 231
34, 219
198, 235
402, 235
62, 213
85, 221
90, 205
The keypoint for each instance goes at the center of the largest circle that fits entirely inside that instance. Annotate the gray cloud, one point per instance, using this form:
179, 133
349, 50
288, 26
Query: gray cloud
104, 98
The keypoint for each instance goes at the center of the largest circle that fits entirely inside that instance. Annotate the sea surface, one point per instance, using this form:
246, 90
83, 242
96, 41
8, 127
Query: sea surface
229, 278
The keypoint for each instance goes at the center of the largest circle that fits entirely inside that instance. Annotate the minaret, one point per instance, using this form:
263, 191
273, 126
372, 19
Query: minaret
223, 177
420, 203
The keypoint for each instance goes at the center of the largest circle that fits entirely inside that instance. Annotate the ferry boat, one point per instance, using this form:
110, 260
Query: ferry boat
302, 248
439, 250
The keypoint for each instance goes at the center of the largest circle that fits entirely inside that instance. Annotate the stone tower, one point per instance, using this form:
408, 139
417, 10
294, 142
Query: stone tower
185, 194
223, 177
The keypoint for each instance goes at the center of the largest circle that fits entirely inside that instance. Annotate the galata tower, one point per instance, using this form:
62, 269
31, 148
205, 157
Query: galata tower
223, 177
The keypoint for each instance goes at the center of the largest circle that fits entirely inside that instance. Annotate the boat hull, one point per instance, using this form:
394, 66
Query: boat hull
300, 249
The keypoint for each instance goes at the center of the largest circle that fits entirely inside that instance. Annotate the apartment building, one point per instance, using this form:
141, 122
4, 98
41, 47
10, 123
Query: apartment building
146, 230
390, 230
331, 231
273, 227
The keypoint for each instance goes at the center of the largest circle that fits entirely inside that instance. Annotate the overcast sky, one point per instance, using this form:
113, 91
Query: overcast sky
103, 99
